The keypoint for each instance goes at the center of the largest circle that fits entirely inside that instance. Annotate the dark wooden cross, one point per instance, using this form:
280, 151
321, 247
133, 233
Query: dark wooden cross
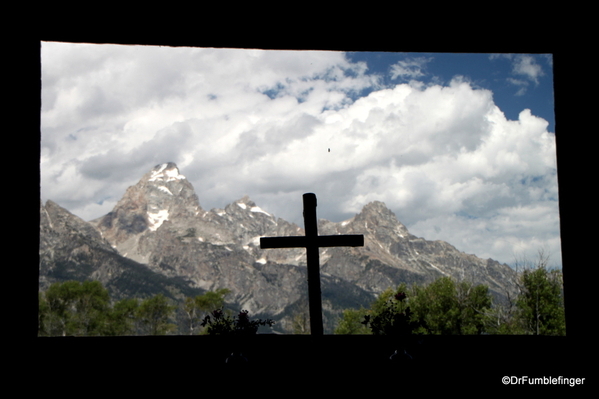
312, 242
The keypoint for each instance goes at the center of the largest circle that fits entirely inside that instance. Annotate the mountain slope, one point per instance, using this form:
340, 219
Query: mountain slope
72, 249
392, 255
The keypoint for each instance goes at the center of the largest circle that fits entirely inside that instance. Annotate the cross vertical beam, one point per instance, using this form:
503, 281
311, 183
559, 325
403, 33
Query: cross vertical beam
312, 242
313, 264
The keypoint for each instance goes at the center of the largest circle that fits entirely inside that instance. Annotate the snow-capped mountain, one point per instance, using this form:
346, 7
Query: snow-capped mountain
160, 227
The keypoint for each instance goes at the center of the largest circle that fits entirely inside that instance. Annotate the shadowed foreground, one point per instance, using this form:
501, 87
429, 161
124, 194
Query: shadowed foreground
482, 360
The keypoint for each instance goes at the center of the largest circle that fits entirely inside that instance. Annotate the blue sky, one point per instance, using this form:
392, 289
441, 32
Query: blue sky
460, 146
517, 81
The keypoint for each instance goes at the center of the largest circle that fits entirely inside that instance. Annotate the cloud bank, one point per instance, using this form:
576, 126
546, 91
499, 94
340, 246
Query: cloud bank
276, 124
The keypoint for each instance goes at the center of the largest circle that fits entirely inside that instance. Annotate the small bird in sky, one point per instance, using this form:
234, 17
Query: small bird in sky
329, 150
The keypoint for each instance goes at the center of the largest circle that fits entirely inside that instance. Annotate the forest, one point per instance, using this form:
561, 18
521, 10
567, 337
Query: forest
443, 307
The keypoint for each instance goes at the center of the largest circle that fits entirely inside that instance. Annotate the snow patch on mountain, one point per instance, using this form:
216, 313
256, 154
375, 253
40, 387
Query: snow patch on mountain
258, 209
157, 218
166, 172
166, 190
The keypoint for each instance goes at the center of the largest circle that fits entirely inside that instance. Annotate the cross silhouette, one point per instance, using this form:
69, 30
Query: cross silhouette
312, 242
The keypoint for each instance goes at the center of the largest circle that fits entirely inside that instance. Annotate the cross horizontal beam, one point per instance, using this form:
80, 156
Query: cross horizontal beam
350, 240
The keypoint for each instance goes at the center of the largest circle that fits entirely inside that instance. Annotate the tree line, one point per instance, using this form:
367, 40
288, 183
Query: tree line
445, 307
74, 308
448, 307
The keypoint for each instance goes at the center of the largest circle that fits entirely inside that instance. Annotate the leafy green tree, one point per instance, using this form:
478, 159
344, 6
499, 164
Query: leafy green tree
212, 300
74, 308
92, 307
445, 307
42, 314
153, 315
59, 299
197, 307
351, 323
541, 302
503, 320
436, 306
475, 302
300, 323
219, 323
391, 313
441, 307
122, 318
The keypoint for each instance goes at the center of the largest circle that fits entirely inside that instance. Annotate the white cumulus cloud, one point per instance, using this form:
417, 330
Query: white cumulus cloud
444, 158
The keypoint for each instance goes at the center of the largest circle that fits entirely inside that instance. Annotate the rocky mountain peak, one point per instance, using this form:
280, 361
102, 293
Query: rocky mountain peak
245, 205
375, 216
56, 218
165, 172
378, 208
162, 194
244, 220
68, 246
